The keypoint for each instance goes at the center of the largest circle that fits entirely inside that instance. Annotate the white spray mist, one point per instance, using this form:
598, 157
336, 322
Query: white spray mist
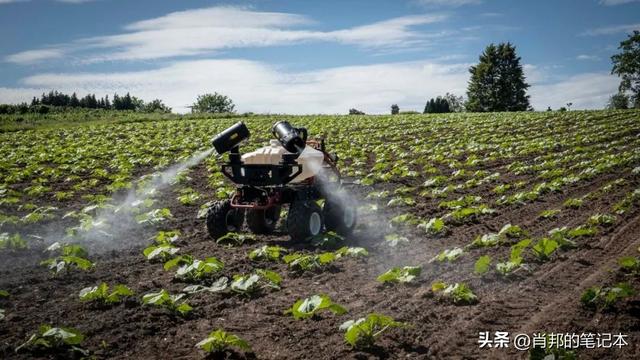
114, 226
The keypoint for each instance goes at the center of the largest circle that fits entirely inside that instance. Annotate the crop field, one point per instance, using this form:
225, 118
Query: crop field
527, 223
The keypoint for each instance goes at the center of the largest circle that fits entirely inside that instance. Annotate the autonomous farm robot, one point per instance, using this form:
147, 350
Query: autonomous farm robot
291, 170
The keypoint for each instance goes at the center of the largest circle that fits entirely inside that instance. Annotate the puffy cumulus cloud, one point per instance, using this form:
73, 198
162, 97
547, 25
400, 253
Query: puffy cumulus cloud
261, 88
585, 91
207, 30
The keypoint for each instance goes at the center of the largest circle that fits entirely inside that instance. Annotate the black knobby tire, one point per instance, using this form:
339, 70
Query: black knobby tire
304, 220
222, 219
263, 221
339, 218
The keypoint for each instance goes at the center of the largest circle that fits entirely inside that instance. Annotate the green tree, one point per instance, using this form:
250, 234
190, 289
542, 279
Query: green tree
626, 65
618, 101
437, 106
395, 109
497, 82
213, 103
156, 106
456, 103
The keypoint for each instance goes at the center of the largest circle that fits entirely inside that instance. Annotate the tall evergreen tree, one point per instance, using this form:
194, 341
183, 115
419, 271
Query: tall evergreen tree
497, 83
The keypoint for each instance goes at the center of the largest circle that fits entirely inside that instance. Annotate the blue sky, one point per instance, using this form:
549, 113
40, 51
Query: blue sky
307, 56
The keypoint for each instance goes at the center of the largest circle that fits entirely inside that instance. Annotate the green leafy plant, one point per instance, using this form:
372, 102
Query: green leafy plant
12, 242
544, 248
601, 220
50, 338
309, 307
394, 240
362, 333
515, 258
188, 196
573, 203
233, 238
163, 249
435, 226
449, 255
459, 293
482, 265
550, 213
404, 274
352, 252
220, 341
606, 297
163, 299
69, 255
252, 284
330, 239
549, 352
102, 295
217, 286
305, 262
153, 217
265, 252
191, 269
630, 264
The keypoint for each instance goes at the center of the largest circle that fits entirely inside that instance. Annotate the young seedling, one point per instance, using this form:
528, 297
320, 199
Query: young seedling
459, 293
163, 249
605, 297
404, 274
50, 339
601, 220
435, 226
236, 239
305, 262
188, 196
548, 214
309, 307
629, 264
220, 341
154, 217
482, 265
101, 294
70, 255
448, 255
13, 242
217, 286
250, 285
362, 333
269, 253
548, 352
544, 248
329, 239
573, 203
193, 270
174, 303
515, 258
352, 252
394, 240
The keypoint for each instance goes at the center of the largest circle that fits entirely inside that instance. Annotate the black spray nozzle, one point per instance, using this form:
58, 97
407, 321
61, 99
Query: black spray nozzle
292, 139
230, 138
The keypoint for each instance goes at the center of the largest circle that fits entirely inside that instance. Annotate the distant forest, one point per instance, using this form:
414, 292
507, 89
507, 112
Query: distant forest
54, 99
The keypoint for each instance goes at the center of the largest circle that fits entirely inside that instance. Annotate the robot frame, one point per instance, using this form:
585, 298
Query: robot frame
293, 171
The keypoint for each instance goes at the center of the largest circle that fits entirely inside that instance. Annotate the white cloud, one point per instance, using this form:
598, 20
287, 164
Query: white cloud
200, 31
587, 57
614, 29
33, 56
616, 2
451, 3
258, 87
585, 91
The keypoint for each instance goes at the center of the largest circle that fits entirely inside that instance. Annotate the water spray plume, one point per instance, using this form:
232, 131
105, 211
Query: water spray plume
114, 226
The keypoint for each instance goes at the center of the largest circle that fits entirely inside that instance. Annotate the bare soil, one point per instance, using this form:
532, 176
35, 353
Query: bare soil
543, 299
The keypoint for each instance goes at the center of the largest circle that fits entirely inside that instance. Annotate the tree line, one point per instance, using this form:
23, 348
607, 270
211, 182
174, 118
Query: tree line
58, 100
